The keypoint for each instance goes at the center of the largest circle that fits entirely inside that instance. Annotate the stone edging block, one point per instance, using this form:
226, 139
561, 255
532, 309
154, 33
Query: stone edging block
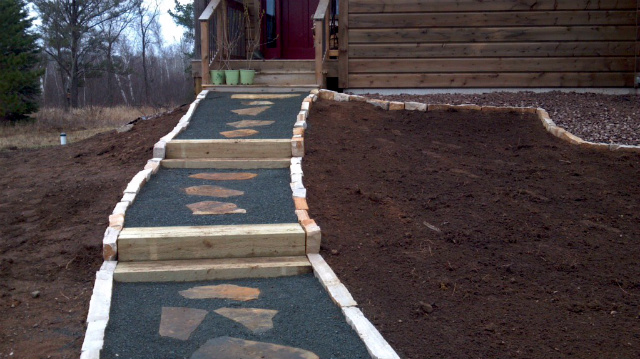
328, 279
110, 244
99, 309
313, 234
160, 150
297, 146
376, 345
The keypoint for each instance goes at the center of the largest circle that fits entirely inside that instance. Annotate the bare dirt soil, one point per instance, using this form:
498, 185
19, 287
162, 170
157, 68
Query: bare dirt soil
470, 235
54, 211
591, 116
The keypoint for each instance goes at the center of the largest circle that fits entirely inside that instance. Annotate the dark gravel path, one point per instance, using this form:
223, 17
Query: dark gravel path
593, 117
162, 202
307, 319
214, 112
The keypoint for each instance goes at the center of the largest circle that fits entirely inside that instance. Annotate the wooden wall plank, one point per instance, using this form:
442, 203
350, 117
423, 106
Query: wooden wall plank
498, 80
532, 49
494, 34
390, 6
493, 19
343, 45
547, 64
497, 43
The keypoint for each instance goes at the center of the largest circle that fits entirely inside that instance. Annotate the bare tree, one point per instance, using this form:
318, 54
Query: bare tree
148, 26
71, 36
112, 31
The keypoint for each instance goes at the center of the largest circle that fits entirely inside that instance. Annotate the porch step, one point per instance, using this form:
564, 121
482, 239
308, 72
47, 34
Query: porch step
291, 78
210, 242
227, 163
261, 88
211, 149
271, 65
211, 269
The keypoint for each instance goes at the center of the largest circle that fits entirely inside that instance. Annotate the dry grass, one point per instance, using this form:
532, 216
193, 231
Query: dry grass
46, 125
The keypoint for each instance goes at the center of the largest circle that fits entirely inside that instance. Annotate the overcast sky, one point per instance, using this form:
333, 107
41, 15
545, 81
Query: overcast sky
170, 31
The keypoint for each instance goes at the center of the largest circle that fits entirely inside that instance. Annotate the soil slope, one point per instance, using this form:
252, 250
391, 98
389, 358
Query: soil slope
54, 211
468, 235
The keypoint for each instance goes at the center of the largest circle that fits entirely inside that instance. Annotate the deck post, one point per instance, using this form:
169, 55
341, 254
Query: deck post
343, 45
318, 32
204, 45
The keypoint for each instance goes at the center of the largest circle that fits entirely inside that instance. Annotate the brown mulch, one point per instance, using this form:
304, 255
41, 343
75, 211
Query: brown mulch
469, 235
54, 211
591, 116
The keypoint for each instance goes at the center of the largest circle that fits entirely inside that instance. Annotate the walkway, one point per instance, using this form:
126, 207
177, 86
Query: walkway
216, 258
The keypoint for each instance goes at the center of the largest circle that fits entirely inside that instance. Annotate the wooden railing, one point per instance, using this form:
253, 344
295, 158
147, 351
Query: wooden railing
211, 24
322, 35
221, 23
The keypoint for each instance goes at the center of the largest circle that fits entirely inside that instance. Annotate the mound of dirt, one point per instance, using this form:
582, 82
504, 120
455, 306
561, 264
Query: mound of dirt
54, 211
474, 235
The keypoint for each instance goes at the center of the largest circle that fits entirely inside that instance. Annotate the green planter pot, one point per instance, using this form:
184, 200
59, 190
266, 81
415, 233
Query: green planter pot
233, 76
217, 77
246, 76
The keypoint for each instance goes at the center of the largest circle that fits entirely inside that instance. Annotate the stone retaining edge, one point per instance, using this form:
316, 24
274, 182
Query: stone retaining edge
377, 346
542, 114
100, 303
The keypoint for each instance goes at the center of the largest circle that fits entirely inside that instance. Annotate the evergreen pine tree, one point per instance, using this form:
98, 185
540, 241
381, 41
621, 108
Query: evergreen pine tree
19, 77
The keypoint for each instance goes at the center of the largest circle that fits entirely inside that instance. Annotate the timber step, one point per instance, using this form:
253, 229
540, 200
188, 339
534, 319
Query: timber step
290, 78
262, 88
227, 163
275, 65
211, 269
211, 242
255, 148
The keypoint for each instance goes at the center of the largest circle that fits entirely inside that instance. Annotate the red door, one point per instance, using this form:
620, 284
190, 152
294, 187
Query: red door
287, 29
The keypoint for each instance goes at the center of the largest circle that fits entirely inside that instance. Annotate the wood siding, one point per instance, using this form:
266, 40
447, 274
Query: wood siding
497, 43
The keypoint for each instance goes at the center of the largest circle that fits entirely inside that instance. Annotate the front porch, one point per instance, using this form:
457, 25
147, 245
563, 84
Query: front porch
221, 22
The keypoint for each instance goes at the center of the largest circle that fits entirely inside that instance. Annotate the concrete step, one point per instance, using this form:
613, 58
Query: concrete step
203, 149
228, 163
210, 242
211, 269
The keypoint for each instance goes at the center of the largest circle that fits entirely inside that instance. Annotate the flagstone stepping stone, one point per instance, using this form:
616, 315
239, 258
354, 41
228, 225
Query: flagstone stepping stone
250, 123
222, 291
215, 207
234, 176
234, 348
212, 191
179, 323
242, 96
253, 111
257, 103
238, 133
256, 320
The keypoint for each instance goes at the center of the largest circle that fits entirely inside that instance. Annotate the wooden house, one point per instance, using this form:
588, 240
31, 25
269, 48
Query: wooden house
374, 44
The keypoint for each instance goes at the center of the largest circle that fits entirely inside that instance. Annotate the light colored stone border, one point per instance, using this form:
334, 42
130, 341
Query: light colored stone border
376, 345
542, 114
100, 304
